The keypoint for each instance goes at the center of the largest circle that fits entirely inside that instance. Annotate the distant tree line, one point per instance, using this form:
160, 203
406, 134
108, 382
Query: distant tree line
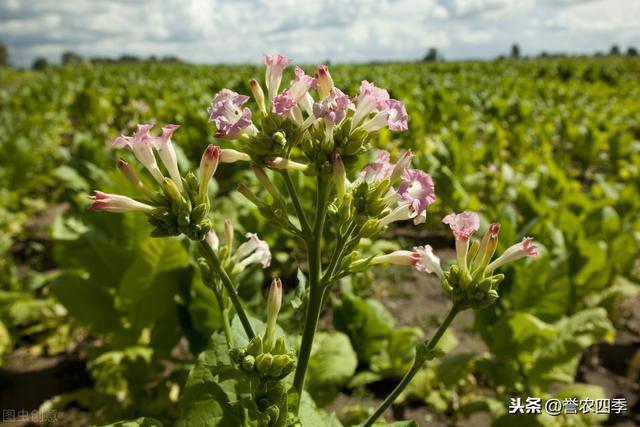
434, 55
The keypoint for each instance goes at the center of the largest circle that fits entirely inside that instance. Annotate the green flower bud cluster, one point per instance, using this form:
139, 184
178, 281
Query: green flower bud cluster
273, 365
471, 291
278, 134
319, 146
180, 212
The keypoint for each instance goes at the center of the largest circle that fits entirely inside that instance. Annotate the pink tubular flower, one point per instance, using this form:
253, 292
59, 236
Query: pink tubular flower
283, 103
332, 107
463, 224
273, 75
428, 262
416, 190
525, 248
394, 116
167, 153
226, 112
253, 251
380, 169
141, 143
117, 203
370, 99
297, 91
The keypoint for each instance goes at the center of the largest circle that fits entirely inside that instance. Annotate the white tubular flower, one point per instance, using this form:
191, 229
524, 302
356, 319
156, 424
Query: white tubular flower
167, 153
428, 262
253, 251
117, 203
400, 257
208, 166
273, 75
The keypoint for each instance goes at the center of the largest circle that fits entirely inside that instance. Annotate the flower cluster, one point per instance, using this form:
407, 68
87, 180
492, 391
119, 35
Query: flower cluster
178, 204
471, 281
311, 112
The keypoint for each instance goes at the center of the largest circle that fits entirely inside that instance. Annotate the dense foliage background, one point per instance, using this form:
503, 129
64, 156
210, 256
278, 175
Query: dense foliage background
549, 148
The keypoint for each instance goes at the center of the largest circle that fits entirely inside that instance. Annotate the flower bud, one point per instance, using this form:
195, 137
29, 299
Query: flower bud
513, 253
339, 175
282, 163
264, 362
279, 363
212, 240
228, 234
229, 155
280, 346
208, 166
265, 181
255, 346
274, 302
131, 175
248, 363
258, 95
487, 247
172, 189
325, 82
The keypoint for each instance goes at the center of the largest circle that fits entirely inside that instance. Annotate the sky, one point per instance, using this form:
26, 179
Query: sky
241, 31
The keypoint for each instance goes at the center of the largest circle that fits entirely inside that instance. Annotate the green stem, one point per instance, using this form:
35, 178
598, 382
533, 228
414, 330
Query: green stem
337, 255
417, 364
225, 316
304, 224
215, 263
315, 290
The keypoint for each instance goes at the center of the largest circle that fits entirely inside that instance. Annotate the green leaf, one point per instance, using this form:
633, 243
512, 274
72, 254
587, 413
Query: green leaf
557, 361
312, 416
205, 401
138, 422
87, 301
332, 364
517, 335
366, 322
148, 286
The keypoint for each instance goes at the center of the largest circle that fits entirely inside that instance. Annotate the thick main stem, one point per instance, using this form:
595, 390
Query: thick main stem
417, 364
214, 261
315, 290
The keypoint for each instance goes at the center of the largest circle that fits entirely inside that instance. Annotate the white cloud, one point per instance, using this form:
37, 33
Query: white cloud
339, 30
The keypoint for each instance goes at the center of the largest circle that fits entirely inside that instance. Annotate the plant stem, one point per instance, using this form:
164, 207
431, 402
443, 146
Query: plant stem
337, 255
304, 224
417, 364
225, 316
315, 290
214, 261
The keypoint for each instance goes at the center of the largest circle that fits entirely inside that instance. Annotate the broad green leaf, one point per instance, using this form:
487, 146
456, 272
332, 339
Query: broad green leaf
138, 422
312, 416
367, 323
332, 364
88, 302
204, 401
148, 286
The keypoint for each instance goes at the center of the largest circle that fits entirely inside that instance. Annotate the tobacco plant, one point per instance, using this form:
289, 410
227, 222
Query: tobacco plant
251, 373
